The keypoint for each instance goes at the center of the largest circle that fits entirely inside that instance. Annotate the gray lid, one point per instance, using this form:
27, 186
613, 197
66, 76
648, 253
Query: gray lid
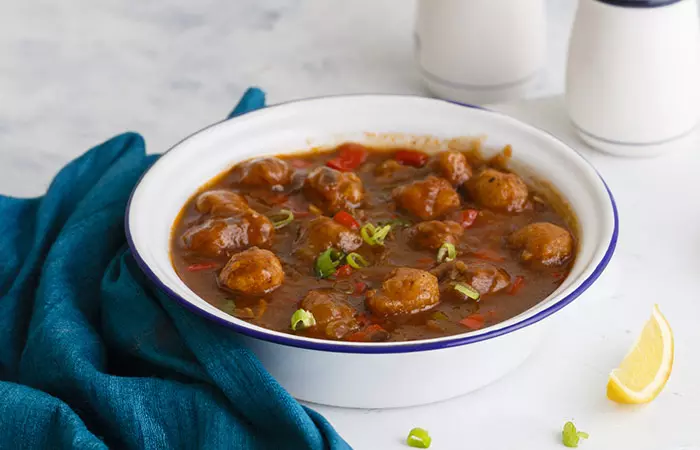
640, 3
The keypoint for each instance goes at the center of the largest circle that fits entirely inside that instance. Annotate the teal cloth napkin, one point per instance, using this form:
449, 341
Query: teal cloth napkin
93, 356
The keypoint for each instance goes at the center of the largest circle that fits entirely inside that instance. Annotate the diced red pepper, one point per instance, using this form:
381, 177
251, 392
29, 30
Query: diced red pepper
360, 287
366, 334
473, 321
350, 157
343, 271
300, 163
202, 266
488, 255
517, 284
412, 158
467, 217
347, 220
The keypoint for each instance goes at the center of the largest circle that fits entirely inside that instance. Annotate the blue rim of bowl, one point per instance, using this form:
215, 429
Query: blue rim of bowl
413, 346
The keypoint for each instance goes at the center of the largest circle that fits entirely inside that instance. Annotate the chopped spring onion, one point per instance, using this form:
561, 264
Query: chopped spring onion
356, 261
367, 231
373, 235
570, 436
467, 290
439, 315
284, 216
418, 438
447, 253
397, 223
327, 262
302, 319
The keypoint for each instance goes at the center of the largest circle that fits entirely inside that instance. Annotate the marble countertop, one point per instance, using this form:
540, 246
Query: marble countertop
76, 72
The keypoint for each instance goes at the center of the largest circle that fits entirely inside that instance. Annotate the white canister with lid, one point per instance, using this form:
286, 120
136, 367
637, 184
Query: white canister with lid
633, 75
479, 51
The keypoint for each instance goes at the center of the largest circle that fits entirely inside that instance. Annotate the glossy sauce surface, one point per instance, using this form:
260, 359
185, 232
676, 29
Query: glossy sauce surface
484, 243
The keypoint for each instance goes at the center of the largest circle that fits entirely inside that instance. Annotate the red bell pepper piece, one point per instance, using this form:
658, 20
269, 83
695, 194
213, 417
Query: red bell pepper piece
343, 271
411, 158
347, 220
518, 284
366, 334
350, 157
360, 287
467, 217
473, 321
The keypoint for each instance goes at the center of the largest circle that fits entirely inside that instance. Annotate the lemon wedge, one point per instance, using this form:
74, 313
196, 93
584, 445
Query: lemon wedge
646, 368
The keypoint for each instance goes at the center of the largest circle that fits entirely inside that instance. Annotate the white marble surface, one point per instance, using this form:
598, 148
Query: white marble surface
76, 72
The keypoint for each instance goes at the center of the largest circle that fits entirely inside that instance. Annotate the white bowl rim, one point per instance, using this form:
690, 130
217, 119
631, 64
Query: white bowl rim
264, 334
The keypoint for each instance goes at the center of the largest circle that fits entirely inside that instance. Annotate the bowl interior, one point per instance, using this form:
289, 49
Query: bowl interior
397, 120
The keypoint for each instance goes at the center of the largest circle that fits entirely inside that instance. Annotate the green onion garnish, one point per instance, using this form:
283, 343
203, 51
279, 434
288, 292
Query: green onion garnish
570, 436
419, 438
286, 217
439, 315
397, 223
302, 319
447, 253
356, 261
367, 231
327, 261
374, 236
381, 234
467, 290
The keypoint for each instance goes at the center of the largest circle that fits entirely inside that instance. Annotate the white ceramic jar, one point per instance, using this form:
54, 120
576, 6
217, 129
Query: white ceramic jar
479, 51
633, 75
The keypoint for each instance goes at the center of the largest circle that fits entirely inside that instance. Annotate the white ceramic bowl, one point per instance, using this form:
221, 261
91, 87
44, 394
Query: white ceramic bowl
373, 375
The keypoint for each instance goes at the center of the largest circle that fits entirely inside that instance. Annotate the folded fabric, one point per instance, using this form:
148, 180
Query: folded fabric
92, 355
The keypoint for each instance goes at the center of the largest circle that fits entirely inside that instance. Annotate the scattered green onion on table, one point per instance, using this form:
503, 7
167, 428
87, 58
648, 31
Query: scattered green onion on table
570, 436
418, 438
